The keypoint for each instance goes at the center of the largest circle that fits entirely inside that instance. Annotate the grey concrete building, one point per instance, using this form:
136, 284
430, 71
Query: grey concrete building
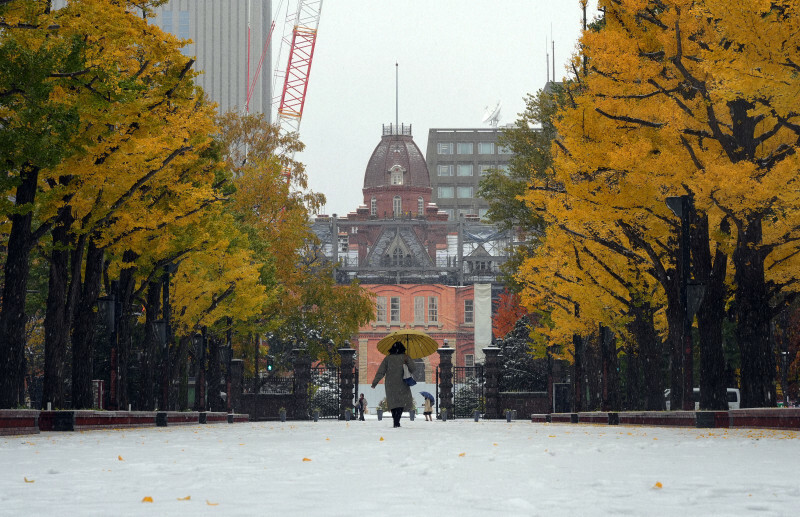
218, 30
457, 161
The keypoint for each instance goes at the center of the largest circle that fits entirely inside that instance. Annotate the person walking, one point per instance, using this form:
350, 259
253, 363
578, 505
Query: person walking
361, 407
398, 393
427, 409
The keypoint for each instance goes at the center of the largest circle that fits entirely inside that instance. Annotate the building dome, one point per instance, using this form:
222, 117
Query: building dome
396, 161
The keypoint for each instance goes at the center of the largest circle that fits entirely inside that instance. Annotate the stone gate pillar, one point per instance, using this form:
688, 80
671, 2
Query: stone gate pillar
492, 388
346, 380
302, 378
446, 379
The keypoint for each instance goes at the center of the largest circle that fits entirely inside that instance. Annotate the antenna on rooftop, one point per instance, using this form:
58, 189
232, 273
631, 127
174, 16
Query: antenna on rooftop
547, 59
396, 96
492, 116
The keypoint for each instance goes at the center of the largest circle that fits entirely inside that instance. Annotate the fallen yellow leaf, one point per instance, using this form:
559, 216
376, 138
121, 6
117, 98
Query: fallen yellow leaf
147, 499
209, 503
28, 480
494, 444
184, 498
306, 459
658, 485
462, 454
120, 458
381, 439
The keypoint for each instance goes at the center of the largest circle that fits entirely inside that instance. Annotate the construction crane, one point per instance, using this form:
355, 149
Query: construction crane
297, 43
301, 41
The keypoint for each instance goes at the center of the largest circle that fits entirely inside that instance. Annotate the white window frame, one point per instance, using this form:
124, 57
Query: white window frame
373, 206
465, 169
465, 148
433, 309
396, 176
420, 206
462, 189
469, 311
419, 310
483, 149
443, 192
444, 148
394, 309
397, 206
444, 170
380, 309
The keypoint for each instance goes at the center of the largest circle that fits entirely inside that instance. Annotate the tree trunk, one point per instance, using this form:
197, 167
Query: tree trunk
578, 402
149, 366
752, 313
83, 329
56, 322
15, 285
675, 340
200, 373
182, 360
711, 314
214, 376
125, 330
650, 346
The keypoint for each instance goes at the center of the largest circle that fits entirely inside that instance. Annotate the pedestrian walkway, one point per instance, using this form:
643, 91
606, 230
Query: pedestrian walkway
459, 467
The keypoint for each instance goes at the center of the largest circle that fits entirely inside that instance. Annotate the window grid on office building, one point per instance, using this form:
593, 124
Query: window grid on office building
444, 170
465, 192
464, 148
465, 169
485, 147
445, 148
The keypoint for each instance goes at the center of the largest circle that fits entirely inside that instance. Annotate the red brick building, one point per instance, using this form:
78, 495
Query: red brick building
427, 272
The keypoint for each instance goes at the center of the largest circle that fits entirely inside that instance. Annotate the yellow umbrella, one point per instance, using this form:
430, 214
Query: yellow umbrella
418, 344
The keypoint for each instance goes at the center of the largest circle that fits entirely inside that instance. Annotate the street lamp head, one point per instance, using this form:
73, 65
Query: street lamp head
675, 204
106, 306
161, 332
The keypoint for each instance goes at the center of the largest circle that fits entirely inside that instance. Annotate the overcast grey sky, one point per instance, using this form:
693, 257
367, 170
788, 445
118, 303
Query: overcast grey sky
455, 57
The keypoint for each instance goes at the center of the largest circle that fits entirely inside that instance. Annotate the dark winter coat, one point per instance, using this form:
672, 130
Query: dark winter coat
398, 393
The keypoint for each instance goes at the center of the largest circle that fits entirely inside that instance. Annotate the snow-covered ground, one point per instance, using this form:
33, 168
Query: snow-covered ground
460, 468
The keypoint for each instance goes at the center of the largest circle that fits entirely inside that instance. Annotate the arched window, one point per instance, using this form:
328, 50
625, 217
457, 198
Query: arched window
397, 256
397, 175
420, 206
373, 207
397, 206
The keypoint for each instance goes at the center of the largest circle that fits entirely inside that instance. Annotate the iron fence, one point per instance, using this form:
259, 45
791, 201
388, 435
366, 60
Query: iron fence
468, 393
270, 385
324, 391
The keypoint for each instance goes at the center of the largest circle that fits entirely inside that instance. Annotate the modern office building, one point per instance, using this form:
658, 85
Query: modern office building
457, 161
219, 33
